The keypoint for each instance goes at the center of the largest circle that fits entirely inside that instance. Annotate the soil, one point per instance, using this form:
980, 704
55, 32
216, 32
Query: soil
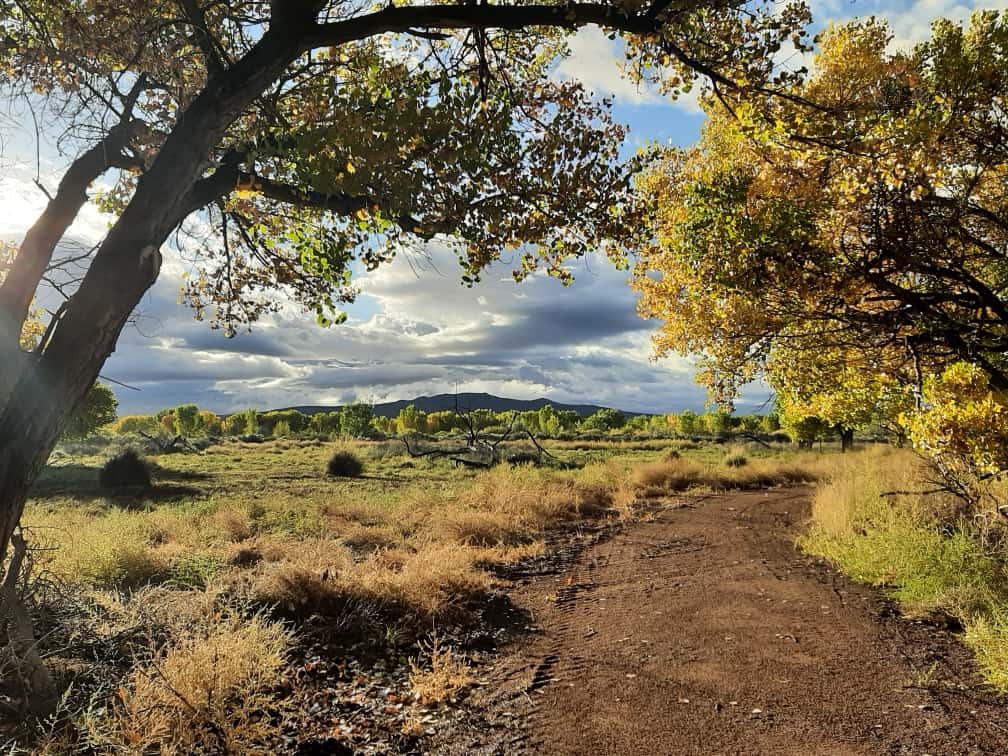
705, 631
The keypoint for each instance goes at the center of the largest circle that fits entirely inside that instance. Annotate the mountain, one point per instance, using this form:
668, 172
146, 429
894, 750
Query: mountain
466, 402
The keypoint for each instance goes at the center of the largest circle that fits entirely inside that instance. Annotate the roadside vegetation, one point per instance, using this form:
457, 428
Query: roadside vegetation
886, 519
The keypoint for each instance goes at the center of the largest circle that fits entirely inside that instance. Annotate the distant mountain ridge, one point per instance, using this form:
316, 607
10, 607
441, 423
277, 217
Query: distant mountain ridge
466, 401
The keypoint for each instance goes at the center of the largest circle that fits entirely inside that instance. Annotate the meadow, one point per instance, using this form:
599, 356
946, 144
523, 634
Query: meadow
174, 615
211, 611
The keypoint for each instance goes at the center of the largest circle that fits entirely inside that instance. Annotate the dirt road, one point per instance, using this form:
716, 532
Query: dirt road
707, 632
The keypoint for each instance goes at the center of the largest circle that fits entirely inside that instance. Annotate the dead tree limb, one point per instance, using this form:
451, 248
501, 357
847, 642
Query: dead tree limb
179, 442
40, 688
538, 445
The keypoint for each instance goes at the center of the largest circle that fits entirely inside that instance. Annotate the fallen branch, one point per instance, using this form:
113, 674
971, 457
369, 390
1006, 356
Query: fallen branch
40, 688
168, 446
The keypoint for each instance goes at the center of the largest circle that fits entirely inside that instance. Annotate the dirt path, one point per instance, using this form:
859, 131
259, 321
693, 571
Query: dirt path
707, 632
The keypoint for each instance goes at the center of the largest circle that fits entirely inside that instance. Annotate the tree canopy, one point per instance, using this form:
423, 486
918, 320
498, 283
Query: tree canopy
846, 248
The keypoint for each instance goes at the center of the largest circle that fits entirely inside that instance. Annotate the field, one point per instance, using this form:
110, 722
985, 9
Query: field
206, 611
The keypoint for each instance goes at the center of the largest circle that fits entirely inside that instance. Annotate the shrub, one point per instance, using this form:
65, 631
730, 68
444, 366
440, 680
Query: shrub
211, 691
345, 464
736, 460
125, 470
446, 678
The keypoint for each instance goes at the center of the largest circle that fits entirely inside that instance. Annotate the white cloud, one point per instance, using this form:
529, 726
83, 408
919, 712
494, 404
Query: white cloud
597, 62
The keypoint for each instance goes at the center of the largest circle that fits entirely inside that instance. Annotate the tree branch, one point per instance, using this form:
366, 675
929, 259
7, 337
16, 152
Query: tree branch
410, 18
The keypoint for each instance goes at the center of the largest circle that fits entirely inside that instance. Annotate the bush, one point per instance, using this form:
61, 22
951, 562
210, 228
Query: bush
736, 460
345, 464
125, 470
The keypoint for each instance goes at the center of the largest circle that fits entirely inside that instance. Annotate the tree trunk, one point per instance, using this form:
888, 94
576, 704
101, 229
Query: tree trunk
37, 393
846, 439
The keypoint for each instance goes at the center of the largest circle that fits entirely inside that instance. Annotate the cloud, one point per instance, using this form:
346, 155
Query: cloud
598, 63
425, 333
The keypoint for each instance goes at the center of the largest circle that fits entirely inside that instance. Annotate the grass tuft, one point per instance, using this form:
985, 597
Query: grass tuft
125, 470
345, 464
212, 691
447, 676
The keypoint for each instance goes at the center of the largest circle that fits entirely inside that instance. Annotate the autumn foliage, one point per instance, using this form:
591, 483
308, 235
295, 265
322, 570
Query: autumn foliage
847, 242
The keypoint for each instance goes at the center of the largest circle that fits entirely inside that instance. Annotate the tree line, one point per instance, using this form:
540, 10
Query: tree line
358, 420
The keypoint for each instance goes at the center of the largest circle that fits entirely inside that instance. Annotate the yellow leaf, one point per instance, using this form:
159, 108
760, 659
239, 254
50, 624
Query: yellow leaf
350, 167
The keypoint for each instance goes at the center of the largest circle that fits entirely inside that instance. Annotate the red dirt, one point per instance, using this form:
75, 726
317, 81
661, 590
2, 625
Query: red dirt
707, 632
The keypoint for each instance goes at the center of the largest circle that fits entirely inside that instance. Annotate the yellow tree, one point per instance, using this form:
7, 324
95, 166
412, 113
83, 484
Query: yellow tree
849, 241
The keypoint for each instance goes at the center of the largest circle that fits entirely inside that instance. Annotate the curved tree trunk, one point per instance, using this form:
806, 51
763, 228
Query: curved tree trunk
37, 393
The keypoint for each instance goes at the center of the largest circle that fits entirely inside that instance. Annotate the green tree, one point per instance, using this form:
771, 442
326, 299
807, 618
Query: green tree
327, 422
411, 420
96, 410
234, 424
568, 419
549, 421
605, 419
355, 420
717, 422
251, 419
688, 422
187, 420
805, 429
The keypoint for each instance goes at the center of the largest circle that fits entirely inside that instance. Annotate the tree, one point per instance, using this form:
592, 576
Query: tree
687, 422
234, 424
312, 135
187, 420
210, 423
355, 420
717, 422
98, 409
605, 419
326, 422
568, 420
804, 429
136, 423
411, 420
771, 422
251, 418
167, 421
845, 251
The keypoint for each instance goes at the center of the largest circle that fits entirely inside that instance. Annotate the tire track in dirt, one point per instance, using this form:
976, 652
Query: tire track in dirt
707, 632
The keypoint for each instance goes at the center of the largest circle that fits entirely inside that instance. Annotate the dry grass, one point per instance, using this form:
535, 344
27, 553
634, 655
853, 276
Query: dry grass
447, 676
679, 474
212, 689
914, 547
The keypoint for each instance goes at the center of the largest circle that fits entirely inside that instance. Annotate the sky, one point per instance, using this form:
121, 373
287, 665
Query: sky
416, 329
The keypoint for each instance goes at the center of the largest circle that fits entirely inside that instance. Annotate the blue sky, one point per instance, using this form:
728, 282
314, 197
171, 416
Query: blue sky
415, 329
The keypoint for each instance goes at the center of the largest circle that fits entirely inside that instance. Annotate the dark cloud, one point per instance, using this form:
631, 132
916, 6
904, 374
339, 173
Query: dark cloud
419, 333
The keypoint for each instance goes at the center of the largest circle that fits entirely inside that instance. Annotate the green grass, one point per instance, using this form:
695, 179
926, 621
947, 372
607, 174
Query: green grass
912, 547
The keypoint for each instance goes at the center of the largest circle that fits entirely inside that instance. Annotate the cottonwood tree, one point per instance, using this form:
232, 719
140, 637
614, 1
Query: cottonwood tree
285, 143
850, 250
